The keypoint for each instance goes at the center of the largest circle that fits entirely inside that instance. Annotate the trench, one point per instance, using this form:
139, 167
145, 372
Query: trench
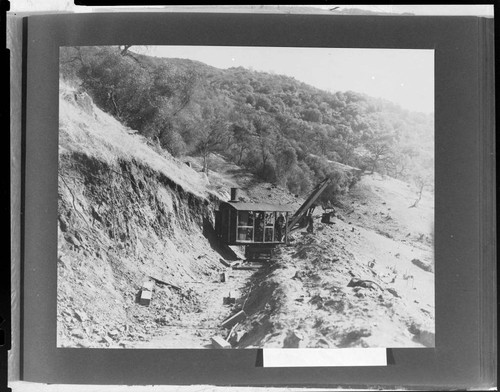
196, 329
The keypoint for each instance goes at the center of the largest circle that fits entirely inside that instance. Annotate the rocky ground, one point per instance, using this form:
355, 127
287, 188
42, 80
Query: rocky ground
132, 216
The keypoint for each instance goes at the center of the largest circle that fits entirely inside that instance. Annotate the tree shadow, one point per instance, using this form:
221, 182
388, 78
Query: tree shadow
215, 243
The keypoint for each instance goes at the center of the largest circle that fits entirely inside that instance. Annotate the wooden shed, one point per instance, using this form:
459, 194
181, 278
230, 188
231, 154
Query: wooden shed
242, 223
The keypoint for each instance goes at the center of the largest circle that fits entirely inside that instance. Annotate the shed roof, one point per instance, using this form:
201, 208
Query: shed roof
242, 206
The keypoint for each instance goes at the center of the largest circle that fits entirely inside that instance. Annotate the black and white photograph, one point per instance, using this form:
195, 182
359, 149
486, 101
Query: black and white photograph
239, 197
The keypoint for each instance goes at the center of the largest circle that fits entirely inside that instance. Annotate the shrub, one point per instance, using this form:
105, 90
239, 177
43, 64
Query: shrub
299, 180
263, 103
312, 115
268, 171
174, 143
341, 181
250, 99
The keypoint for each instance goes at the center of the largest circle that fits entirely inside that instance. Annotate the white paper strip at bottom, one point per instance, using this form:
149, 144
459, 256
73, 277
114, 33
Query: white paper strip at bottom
319, 357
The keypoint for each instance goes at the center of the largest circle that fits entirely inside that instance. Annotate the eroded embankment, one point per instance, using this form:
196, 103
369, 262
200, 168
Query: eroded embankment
119, 225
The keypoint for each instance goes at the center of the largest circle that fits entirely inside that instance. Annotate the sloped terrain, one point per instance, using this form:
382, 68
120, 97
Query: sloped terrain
131, 213
126, 213
310, 296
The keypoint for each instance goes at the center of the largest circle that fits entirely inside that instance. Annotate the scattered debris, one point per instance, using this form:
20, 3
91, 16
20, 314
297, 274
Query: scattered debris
78, 333
367, 284
161, 320
385, 234
322, 343
63, 223
107, 339
81, 315
393, 292
165, 283
421, 264
73, 240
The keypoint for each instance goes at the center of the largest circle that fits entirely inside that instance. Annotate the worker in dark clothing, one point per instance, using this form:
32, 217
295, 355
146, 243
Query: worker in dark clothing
259, 227
327, 215
307, 220
280, 227
310, 224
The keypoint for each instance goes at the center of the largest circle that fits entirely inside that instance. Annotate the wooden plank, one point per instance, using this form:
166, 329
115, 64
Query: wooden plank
145, 297
231, 331
165, 283
236, 318
219, 342
248, 267
225, 262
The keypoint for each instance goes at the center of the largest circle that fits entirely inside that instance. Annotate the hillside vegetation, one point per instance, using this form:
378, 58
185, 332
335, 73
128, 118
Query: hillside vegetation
278, 128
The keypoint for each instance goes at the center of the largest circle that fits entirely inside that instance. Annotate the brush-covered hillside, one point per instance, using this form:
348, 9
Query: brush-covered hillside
280, 129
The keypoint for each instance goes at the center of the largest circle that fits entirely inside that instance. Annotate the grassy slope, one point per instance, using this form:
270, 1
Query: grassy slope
87, 129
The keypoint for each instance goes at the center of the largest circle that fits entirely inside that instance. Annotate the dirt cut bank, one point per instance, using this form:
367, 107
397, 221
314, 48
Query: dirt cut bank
126, 214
